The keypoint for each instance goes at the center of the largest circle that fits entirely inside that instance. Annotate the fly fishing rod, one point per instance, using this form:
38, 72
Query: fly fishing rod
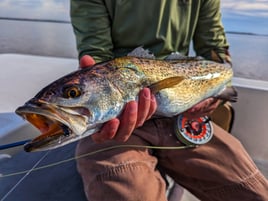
13, 144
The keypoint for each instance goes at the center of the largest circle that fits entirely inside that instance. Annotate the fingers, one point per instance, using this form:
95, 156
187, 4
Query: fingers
134, 115
146, 107
119, 130
107, 132
127, 121
153, 107
203, 108
203, 105
86, 61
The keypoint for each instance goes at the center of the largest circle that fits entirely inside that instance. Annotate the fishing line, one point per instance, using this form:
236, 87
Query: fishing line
27, 173
95, 152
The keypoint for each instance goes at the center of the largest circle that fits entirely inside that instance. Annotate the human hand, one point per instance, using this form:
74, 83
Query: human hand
203, 108
86, 61
133, 116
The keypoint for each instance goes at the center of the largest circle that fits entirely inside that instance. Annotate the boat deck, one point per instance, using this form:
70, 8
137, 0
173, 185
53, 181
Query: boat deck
59, 182
40, 178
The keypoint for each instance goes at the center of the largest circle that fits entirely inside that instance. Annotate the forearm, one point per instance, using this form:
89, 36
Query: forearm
92, 30
209, 36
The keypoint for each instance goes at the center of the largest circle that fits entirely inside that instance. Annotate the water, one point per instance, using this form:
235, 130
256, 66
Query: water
37, 38
41, 27
38, 27
249, 55
35, 9
245, 16
249, 51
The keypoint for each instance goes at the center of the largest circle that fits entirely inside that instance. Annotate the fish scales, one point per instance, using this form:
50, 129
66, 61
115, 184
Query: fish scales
78, 104
202, 79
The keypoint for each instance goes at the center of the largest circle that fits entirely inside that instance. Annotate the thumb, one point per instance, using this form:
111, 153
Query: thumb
86, 61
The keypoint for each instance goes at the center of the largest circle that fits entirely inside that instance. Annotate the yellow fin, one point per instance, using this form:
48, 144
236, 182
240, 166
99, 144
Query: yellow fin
166, 83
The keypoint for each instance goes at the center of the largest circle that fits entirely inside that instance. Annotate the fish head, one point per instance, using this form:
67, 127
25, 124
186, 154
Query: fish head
67, 110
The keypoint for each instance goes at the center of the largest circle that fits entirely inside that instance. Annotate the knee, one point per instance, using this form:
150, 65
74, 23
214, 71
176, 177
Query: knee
129, 181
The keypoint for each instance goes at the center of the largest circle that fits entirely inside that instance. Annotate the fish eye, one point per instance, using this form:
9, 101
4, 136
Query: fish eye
72, 92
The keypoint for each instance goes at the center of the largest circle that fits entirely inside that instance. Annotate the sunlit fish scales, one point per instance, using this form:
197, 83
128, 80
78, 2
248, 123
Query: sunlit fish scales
78, 104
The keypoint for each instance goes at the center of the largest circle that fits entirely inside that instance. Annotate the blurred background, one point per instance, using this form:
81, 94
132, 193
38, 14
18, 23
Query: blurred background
39, 32
42, 27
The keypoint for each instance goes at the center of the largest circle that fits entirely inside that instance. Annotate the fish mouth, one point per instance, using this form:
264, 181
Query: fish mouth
55, 131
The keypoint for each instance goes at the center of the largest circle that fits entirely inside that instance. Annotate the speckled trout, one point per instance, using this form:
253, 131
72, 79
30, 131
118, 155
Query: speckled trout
78, 104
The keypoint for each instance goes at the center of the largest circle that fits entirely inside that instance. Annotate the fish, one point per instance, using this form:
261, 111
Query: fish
79, 103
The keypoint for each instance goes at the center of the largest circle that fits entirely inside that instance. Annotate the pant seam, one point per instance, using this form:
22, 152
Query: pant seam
121, 168
248, 183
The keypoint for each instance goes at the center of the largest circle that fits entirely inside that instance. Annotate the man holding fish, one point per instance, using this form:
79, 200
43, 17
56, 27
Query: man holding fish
218, 170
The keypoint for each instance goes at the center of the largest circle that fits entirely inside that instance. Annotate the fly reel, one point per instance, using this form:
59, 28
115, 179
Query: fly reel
193, 132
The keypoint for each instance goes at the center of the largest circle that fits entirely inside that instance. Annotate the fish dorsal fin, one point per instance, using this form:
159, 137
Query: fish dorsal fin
175, 56
228, 94
166, 83
141, 53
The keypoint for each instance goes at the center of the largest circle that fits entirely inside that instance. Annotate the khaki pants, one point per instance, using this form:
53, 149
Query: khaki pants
219, 170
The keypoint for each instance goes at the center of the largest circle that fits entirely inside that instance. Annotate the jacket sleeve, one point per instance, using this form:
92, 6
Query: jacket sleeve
209, 37
92, 29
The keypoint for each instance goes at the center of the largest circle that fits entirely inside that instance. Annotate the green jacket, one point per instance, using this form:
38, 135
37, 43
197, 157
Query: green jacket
108, 28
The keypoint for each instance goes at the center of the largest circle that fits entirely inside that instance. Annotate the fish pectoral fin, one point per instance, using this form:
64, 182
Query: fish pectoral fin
228, 94
166, 83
